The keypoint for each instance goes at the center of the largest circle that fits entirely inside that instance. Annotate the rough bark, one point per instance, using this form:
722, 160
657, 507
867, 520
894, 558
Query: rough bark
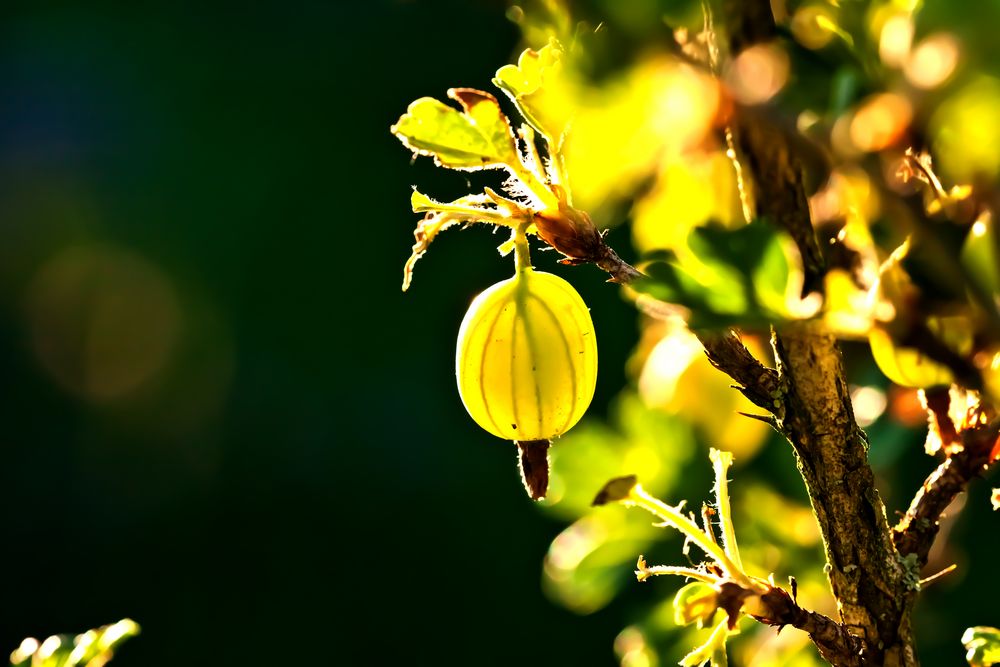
815, 414
833, 640
866, 575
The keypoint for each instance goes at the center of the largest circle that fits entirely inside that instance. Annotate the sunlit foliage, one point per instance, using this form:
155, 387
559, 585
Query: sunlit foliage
93, 648
898, 124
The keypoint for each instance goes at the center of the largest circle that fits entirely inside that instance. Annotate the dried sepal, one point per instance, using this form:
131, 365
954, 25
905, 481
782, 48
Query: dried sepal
955, 202
951, 412
571, 232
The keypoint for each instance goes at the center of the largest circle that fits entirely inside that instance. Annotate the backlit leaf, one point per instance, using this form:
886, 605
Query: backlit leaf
476, 137
726, 276
527, 84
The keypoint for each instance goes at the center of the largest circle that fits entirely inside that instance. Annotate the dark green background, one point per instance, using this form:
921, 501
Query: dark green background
337, 507
329, 502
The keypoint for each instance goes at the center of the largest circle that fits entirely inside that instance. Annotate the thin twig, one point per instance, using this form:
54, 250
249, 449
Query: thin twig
934, 577
915, 532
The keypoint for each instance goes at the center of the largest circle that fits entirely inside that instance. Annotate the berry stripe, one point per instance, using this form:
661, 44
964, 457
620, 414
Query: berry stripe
569, 361
482, 368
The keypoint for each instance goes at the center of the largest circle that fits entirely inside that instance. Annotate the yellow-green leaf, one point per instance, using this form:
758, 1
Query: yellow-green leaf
476, 137
527, 84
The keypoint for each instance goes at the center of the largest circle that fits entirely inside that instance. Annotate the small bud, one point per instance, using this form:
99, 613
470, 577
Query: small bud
641, 569
620, 488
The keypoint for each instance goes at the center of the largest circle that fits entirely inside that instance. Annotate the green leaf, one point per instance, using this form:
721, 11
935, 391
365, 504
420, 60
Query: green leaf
980, 256
527, 84
584, 459
588, 562
715, 294
745, 248
982, 645
728, 276
476, 137
844, 89
771, 275
592, 560
696, 601
93, 648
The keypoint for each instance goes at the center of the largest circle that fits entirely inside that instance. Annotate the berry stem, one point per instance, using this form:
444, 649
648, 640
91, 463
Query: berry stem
522, 253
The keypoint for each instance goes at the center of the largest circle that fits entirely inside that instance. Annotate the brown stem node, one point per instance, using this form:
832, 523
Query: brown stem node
533, 462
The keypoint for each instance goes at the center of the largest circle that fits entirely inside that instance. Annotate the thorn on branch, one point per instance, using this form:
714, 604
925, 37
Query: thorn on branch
767, 419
